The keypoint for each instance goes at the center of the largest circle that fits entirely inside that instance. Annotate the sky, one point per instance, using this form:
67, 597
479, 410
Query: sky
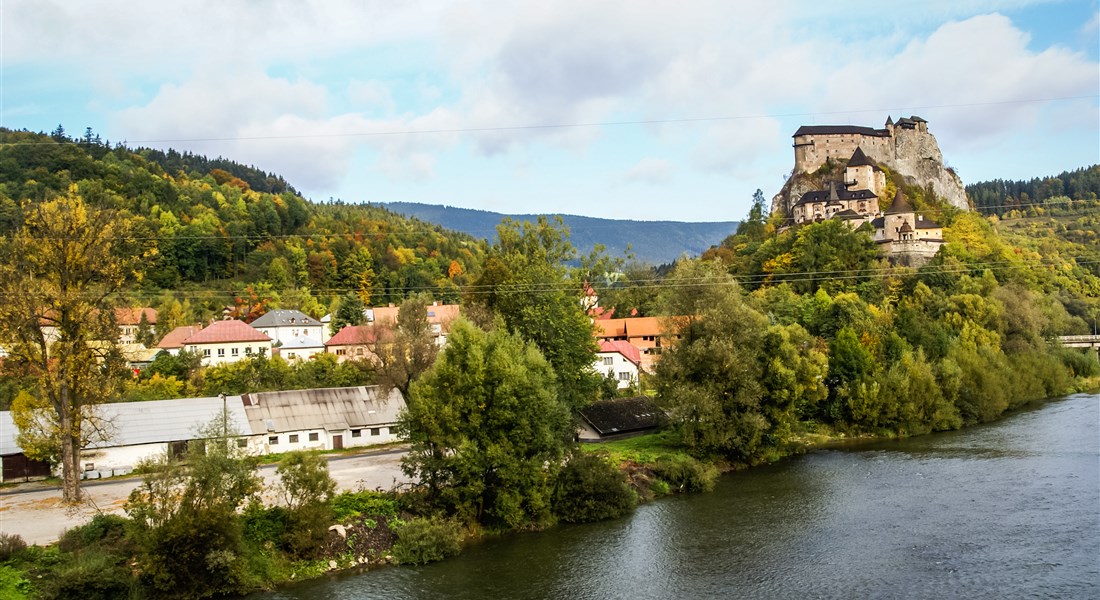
655, 110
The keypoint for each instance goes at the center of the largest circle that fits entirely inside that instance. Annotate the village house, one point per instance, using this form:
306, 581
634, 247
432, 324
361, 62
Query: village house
322, 419
227, 341
129, 321
286, 326
644, 333
618, 418
260, 423
172, 342
439, 317
353, 342
620, 360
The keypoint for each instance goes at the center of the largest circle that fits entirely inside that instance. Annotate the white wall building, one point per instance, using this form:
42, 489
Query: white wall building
286, 326
227, 341
619, 358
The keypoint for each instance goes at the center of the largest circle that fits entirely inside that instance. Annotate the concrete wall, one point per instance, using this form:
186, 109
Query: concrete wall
230, 351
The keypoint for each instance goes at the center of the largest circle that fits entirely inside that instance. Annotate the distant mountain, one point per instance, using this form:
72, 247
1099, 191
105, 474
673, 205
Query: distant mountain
655, 242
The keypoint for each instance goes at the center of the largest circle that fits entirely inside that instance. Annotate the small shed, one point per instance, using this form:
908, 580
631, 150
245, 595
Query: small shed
14, 465
323, 419
619, 417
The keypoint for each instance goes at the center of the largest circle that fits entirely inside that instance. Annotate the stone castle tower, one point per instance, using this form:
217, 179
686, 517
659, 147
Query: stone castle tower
906, 147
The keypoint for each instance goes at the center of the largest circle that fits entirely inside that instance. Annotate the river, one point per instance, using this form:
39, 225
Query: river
1004, 510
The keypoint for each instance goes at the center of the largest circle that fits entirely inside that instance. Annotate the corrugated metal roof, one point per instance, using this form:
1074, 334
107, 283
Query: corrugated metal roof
133, 423
297, 410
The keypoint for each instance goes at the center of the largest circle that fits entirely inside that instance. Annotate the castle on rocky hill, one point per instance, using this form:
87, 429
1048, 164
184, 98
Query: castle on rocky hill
905, 146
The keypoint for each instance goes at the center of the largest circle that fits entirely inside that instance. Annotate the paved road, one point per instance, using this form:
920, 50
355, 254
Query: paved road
35, 511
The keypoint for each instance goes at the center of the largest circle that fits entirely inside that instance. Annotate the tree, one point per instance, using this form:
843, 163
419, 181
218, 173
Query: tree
527, 283
487, 430
404, 350
60, 270
350, 310
307, 489
185, 517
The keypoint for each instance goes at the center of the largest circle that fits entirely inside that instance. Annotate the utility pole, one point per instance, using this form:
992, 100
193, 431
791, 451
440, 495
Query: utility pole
225, 420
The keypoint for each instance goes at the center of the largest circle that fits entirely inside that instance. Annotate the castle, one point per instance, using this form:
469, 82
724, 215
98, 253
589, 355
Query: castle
906, 147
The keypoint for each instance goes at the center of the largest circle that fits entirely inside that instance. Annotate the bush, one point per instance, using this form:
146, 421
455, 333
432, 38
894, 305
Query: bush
363, 504
10, 545
685, 474
13, 586
589, 488
1080, 364
421, 541
103, 530
264, 526
89, 576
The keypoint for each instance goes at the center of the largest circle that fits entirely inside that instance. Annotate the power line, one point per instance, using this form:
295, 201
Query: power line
535, 127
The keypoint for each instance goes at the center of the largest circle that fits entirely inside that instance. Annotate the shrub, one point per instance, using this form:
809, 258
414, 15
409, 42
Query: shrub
590, 489
264, 526
685, 474
363, 504
10, 545
104, 529
13, 586
424, 540
89, 576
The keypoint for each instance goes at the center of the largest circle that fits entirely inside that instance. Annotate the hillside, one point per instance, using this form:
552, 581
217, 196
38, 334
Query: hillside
225, 233
655, 242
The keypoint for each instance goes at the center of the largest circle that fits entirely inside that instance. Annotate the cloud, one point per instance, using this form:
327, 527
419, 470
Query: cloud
977, 77
651, 171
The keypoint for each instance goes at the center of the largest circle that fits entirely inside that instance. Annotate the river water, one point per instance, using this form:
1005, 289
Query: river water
1004, 510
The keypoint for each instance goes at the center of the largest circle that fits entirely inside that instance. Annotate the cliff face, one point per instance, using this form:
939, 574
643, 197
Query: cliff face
911, 153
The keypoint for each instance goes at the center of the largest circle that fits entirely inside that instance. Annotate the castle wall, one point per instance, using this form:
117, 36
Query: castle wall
811, 151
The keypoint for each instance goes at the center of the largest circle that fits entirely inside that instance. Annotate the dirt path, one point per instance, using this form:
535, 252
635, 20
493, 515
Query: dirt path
35, 511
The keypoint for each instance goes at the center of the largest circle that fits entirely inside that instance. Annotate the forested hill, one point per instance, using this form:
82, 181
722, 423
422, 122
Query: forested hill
1001, 196
655, 242
224, 231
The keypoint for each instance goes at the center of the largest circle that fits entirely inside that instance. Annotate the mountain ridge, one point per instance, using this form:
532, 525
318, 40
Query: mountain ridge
655, 242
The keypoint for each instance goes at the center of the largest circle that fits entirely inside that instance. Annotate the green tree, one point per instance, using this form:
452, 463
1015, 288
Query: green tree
307, 489
59, 272
528, 284
404, 350
350, 310
486, 429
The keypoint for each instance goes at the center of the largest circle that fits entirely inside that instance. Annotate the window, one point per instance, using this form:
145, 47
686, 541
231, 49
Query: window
376, 431
273, 439
221, 352
313, 437
291, 355
234, 351
356, 433
341, 352
242, 442
206, 352
624, 376
248, 350
608, 361
294, 438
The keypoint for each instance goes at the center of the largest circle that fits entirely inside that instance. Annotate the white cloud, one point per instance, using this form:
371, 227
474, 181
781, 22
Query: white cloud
980, 72
371, 95
650, 170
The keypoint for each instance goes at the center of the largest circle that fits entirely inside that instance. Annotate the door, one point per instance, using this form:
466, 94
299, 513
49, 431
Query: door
337, 442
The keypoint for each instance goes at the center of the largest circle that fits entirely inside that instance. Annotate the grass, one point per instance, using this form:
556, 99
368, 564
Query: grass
643, 449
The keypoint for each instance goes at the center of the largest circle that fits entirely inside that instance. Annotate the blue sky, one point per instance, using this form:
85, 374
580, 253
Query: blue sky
445, 102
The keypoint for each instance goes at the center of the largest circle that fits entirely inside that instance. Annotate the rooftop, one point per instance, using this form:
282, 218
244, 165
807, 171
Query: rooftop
231, 330
285, 318
622, 415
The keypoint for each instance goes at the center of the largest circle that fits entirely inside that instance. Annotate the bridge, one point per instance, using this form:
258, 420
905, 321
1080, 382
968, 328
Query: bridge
1081, 341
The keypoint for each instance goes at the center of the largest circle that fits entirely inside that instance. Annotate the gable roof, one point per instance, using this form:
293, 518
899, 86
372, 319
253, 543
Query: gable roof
332, 409
840, 130
299, 342
176, 337
628, 350
353, 335
132, 316
823, 196
622, 415
285, 318
221, 332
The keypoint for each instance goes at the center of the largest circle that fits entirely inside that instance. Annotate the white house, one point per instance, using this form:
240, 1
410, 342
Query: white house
286, 326
621, 359
323, 419
227, 341
173, 341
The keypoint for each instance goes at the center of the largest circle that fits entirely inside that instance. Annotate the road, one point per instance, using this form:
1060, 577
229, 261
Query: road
35, 511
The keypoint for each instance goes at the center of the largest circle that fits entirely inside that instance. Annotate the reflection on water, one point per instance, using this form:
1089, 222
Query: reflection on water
1010, 509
